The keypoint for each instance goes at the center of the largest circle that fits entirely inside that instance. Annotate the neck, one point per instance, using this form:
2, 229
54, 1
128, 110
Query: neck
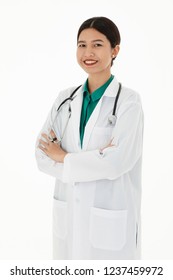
97, 80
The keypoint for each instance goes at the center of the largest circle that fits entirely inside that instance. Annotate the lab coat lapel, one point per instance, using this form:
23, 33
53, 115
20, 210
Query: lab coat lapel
76, 106
111, 91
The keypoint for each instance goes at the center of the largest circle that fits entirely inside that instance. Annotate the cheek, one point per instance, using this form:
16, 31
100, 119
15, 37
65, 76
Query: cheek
79, 54
108, 58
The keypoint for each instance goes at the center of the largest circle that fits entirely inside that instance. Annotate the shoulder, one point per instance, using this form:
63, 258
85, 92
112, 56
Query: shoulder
126, 94
130, 95
63, 94
66, 92
130, 100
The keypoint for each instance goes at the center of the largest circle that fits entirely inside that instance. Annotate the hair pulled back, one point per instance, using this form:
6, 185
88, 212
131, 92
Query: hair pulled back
104, 26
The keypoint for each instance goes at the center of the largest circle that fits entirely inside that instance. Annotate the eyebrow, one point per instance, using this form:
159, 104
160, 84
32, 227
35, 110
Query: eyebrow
93, 41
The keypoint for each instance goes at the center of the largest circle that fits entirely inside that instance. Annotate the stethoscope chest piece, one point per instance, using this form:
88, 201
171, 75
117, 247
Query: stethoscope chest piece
112, 120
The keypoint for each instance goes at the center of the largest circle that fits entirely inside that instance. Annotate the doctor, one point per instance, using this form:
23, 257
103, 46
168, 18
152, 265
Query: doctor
96, 161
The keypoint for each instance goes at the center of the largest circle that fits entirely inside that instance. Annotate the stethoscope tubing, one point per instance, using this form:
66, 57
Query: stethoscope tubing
68, 98
71, 97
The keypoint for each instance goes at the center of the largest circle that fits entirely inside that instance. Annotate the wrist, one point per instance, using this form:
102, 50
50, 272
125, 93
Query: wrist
63, 157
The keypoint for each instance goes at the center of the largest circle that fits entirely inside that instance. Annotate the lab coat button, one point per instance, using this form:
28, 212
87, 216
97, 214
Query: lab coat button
101, 153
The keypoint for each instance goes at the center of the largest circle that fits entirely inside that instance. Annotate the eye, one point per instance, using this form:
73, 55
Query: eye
81, 45
97, 45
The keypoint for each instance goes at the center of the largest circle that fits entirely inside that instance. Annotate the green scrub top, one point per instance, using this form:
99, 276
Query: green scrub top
89, 103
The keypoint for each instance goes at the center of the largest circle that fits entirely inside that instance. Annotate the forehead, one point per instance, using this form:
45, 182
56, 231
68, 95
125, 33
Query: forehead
91, 34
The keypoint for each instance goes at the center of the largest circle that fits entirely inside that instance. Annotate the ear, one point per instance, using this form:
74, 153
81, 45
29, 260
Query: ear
115, 51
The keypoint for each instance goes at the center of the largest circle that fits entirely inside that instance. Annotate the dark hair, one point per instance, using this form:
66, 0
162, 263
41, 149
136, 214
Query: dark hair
105, 26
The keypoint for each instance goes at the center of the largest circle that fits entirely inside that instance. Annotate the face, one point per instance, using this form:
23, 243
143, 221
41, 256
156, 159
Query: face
94, 51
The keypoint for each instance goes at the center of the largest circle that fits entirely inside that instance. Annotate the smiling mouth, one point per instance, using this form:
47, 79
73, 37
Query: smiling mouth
90, 62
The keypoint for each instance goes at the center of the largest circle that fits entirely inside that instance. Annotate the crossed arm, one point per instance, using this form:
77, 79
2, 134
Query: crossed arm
50, 148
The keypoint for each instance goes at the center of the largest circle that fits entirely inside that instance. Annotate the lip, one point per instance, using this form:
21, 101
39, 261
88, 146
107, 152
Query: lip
90, 62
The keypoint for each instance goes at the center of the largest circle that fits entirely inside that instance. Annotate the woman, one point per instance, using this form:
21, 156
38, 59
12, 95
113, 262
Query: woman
96, 160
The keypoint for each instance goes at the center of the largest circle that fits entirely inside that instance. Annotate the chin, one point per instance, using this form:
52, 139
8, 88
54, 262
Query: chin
92, 71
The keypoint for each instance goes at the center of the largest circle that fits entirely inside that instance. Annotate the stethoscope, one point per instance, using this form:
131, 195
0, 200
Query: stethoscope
111, 119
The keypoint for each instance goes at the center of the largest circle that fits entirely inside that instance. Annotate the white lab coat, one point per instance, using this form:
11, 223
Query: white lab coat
97, 198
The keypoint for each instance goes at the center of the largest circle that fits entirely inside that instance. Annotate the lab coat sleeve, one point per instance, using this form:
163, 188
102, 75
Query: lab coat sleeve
113, 161
44, 163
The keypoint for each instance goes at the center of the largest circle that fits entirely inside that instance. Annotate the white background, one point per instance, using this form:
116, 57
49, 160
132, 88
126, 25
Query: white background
37, 60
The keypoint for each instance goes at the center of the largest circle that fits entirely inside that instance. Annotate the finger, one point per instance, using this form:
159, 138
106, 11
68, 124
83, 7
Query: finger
43, 143
42, 148
44, 135
52, 133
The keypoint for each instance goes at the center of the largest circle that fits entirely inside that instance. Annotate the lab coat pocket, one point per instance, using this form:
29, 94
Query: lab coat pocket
108, 228
60, 218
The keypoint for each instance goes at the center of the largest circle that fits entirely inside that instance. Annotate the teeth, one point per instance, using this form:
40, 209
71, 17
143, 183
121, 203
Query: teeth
90, 61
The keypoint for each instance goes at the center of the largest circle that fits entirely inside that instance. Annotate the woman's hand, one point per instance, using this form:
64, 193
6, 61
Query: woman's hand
52, 149
110, 144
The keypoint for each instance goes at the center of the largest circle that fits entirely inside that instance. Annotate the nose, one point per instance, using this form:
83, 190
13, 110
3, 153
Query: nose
89, 52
